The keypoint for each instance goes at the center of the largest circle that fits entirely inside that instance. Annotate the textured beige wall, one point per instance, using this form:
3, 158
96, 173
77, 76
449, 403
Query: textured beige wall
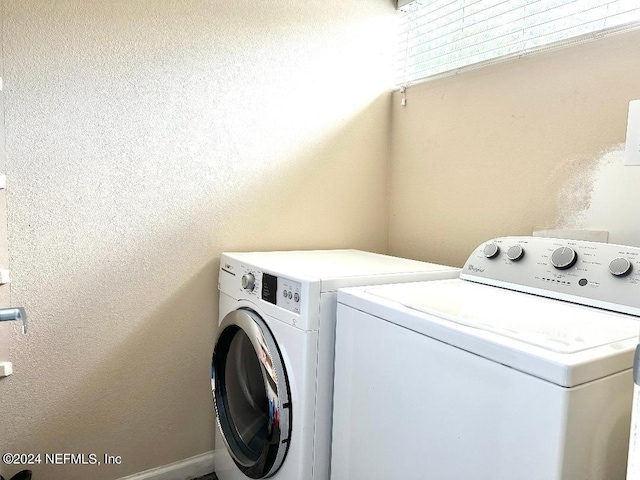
6, 329
513, 147
142, 139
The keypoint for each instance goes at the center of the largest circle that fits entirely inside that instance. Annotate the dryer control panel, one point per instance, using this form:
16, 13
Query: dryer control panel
281, 292
252, 283
590, 273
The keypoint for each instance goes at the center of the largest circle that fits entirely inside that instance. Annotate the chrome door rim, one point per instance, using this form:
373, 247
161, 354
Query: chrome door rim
275, 384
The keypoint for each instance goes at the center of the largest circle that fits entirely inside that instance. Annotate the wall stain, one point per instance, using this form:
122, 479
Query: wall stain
576, 193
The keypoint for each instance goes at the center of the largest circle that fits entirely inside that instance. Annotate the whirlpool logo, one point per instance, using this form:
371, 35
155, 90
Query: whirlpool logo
475, 269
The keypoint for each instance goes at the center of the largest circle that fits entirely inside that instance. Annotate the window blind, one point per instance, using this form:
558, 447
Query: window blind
438, 37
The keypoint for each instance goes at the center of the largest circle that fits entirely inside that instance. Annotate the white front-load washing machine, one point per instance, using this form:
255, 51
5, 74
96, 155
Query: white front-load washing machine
521, 369
272, 368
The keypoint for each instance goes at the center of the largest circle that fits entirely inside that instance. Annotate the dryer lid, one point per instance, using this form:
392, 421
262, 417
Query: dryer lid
564, 343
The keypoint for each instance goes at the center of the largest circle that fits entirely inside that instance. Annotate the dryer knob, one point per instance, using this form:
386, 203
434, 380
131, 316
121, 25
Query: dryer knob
248, 281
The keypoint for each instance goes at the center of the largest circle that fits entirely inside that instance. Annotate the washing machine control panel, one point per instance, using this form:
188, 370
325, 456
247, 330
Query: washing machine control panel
590, 273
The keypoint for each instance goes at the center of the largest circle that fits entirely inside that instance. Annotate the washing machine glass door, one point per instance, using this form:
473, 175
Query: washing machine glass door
251, 394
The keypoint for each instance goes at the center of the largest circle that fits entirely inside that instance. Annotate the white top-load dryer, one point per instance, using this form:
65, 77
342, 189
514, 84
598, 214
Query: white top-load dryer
272, 368
521, 369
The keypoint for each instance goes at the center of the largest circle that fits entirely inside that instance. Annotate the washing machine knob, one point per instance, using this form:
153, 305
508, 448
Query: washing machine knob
248, 281
620, 267
515, 253
563, 258
491, 250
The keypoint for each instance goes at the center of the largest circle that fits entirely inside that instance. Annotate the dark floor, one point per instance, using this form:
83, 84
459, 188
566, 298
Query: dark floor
211, 476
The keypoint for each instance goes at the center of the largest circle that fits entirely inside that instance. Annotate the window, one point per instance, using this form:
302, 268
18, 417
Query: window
439, 37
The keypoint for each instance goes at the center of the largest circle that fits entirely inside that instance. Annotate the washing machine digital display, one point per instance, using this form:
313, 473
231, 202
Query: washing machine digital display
269, 288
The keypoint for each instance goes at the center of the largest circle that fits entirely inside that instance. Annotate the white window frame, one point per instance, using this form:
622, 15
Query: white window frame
407, 74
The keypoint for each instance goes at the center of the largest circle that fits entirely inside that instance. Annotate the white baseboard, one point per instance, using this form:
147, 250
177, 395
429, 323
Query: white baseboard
189, 468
